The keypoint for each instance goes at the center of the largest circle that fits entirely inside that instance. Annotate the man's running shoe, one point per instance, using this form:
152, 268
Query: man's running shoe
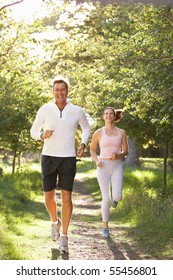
114, 203
106, 232
55, 230
63, 244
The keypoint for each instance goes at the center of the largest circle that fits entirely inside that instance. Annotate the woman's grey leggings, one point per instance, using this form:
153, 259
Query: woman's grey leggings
110, 174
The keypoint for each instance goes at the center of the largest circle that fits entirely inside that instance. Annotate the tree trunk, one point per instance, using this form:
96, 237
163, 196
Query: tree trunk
165, 166
132, 159
19, 159
14, 161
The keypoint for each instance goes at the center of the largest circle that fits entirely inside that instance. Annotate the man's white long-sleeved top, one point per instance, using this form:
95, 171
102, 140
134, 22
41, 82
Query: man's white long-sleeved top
64, 124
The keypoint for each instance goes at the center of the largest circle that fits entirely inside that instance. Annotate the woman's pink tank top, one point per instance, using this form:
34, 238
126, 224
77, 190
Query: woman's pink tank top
110, 144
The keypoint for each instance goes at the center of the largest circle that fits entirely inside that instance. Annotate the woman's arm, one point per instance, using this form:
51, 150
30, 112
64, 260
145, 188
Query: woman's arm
93, 147
124, 151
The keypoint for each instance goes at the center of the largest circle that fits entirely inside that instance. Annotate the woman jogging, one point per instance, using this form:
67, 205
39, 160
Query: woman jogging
112, 142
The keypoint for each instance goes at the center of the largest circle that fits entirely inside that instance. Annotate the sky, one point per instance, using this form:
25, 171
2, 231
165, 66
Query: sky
27, 9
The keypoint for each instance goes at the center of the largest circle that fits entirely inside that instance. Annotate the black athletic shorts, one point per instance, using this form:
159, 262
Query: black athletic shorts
58, 169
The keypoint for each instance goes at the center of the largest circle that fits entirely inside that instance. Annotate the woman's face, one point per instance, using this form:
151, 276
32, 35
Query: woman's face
109, 115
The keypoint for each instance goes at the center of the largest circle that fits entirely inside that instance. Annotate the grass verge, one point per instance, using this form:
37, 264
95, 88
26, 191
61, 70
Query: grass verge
148, 214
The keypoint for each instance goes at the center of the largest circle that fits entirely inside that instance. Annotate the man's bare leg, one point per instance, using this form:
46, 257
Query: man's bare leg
50, 203
67, 208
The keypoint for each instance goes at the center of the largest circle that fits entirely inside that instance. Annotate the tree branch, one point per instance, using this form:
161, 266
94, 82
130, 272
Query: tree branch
11, 46
153, 59
8, 5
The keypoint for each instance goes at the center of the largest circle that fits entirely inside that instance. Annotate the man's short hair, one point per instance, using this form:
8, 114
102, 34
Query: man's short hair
60, 81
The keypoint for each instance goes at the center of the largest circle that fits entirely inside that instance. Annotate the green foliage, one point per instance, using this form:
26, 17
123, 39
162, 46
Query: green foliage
20, 84
119, 55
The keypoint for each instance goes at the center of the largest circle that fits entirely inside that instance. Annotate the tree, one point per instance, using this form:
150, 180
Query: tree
119, 55
20, 85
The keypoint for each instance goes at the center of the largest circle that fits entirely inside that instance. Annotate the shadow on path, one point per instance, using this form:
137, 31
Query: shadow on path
56, 255
123, 250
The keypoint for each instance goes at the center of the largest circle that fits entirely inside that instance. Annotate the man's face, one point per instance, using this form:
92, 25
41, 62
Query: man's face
60, 93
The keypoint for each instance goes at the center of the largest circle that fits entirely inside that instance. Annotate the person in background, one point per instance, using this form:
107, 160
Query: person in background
55, 124
112, 142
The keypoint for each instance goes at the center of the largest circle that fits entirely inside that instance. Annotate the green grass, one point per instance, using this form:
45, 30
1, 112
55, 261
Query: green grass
20, 206
148, 214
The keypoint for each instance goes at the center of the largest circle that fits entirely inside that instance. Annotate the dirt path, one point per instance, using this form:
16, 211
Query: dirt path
85, 237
